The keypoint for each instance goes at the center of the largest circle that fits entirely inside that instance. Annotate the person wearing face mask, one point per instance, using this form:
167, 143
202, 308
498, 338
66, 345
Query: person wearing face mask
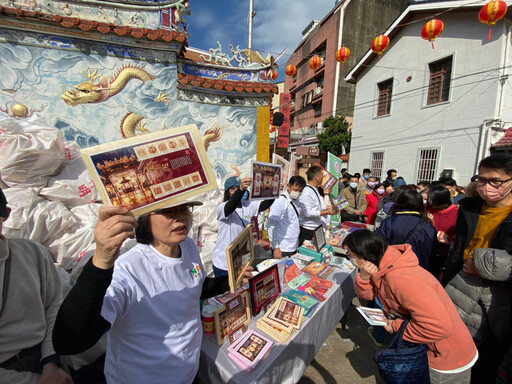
371, 201
478, 267
370, 183
363, 180
283, 219
356, 202
233, 215
312, 207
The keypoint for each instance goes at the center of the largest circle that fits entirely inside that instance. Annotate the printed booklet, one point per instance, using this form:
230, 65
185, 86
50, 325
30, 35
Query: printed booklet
374, 316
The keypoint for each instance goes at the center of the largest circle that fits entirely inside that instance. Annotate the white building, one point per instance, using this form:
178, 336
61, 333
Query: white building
422, 110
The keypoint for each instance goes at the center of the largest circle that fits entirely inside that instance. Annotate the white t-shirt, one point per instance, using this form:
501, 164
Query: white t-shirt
230, 227
283, 224
152, 304
311, 203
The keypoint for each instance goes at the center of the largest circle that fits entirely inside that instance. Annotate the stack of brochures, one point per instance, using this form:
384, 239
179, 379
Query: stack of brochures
249, 350
281, 320
309, 303
317, 269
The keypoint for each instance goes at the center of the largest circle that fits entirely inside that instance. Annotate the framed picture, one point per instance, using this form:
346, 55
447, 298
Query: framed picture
319, 238
328, 180
239, 254
231, 316
266, 180
264, 288
285, 169
151, 171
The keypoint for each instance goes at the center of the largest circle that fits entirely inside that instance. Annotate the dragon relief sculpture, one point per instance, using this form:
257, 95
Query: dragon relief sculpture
90, 92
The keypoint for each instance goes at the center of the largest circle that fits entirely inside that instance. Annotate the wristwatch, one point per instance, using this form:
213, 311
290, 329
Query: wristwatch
51, 359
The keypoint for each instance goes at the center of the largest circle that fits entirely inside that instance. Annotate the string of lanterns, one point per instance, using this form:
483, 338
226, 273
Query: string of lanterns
489, 14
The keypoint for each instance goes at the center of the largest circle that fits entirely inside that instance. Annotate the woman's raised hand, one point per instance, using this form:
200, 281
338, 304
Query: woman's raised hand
367, 269
113, 228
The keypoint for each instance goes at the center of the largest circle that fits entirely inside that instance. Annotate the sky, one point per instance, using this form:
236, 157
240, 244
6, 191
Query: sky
278, 24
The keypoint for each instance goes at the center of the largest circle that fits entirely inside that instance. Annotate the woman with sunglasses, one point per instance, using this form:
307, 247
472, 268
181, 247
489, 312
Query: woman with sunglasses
147, 299
479, 264
392, 274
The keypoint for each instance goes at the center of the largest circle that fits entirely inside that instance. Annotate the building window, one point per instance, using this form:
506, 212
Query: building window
427, 165
384, 106
377, 164
318, 109
439, 83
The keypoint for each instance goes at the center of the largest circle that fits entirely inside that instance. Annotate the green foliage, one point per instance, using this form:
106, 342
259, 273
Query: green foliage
335, 136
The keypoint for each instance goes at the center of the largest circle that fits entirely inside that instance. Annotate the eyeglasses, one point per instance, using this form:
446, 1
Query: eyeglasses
173, 211
481, 181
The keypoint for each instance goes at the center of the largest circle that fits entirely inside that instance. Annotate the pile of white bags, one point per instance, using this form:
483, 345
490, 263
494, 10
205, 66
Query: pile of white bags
54, 201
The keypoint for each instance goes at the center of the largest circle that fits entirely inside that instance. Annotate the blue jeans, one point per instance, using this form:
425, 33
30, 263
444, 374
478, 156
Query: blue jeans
217, 272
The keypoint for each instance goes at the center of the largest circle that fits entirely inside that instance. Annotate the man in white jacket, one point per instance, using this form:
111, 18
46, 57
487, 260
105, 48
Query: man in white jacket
30, 296
283, 219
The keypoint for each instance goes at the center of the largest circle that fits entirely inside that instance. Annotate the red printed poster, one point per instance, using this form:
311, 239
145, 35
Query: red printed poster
152, 171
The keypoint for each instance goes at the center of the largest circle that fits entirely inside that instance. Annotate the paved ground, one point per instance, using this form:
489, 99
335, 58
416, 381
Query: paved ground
346, 356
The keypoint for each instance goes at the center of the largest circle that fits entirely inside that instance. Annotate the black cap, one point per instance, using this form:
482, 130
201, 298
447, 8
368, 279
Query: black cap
3, 205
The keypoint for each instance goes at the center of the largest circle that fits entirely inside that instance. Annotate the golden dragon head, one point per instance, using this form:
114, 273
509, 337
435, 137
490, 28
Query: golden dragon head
86, 92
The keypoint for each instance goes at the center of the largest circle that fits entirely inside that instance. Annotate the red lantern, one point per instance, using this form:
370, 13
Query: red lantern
290, 70
492, 12
342, 55
272, 74
315, 62
380, 44
431, 30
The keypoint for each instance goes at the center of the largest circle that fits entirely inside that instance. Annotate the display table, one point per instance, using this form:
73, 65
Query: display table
286, 362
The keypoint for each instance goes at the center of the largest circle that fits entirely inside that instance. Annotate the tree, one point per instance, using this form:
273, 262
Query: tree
335, 136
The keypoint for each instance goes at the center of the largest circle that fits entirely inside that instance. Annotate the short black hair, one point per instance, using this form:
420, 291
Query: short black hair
357, 174
501, 161
408, 199
425, 184
313, 171
347, 175
390, 171
439, 197
377, 186
298, 181
343, 170
367, 170
366, 244
142, 233
448, 181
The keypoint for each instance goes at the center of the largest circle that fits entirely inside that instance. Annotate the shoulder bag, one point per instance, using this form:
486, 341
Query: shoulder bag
403, 362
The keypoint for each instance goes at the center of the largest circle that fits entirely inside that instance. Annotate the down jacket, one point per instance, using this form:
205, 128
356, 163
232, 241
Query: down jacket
484, 301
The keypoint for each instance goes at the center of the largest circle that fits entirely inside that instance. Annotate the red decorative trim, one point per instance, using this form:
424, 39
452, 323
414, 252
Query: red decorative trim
87, 25
230, 86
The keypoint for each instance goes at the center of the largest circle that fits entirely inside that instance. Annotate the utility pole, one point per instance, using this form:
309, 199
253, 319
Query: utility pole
252, 13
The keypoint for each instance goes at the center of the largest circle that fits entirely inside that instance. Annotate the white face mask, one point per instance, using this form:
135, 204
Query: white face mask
380, 191
295, 195
353, 260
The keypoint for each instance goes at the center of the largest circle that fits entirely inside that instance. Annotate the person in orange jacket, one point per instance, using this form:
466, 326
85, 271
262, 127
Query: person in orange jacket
407, 291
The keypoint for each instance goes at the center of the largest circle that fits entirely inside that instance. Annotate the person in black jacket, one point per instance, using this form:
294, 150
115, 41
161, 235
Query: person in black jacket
482, 258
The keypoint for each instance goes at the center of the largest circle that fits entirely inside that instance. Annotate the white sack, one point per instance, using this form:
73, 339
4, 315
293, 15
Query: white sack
36, 218
30, 152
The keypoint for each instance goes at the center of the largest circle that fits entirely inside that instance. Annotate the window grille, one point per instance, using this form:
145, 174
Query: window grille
427, 165
377, 164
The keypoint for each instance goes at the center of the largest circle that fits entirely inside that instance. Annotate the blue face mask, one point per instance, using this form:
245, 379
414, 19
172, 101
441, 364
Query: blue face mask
366, 177
245, 196
353, 185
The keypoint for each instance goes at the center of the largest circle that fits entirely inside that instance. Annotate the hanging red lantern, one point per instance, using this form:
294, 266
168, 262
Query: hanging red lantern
290, 70
315, 62
380, 44
272, 74
431, 30
492, 12
342, 55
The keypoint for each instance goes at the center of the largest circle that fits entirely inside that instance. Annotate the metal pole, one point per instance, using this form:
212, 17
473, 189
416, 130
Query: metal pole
251, 15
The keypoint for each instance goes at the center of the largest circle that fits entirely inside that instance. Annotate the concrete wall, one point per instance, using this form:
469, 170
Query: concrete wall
454, 126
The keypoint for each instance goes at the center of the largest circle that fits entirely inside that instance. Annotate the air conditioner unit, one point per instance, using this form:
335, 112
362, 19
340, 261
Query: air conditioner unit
317, 91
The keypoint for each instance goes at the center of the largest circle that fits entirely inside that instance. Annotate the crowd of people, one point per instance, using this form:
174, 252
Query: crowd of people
438, 255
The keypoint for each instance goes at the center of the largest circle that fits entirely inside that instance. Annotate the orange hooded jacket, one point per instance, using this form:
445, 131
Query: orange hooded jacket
405, 288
